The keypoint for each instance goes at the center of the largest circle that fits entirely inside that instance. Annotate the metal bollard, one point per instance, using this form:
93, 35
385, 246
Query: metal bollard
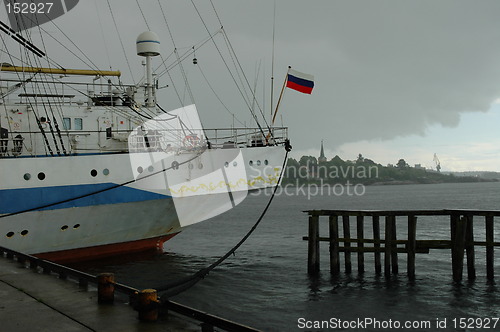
147, 305
106, 288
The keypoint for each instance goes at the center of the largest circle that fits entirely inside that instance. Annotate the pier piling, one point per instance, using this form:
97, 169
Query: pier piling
347, 243
313, 258
458, 246
489, 248
412, 246
393, 250
469, 247
334, 245
360, 234
376, 245
461, 241
388, 246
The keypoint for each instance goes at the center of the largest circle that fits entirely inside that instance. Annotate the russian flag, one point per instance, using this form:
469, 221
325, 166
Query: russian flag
299, 81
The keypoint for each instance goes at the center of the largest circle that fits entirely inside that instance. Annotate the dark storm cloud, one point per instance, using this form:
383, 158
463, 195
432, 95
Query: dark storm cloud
392, 68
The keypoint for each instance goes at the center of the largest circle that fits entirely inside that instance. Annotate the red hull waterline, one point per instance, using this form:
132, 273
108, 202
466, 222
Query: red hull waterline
105, 251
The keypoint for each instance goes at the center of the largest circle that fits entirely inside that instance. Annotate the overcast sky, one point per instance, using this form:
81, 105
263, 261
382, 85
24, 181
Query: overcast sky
393, 79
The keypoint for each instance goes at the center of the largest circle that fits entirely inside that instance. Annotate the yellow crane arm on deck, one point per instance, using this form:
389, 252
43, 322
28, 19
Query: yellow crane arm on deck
60, 71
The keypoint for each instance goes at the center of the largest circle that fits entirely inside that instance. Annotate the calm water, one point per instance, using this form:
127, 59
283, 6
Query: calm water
265, 285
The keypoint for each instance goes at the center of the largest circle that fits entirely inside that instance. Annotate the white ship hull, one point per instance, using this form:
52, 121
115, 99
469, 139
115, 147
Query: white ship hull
103, 211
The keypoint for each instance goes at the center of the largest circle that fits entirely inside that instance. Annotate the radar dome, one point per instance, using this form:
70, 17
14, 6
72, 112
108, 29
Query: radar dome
148, 44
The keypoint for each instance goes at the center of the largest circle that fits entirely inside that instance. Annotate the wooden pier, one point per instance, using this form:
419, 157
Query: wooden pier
463, 223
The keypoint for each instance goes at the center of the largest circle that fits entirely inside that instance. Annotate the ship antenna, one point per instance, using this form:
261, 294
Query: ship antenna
272, 61
148, 46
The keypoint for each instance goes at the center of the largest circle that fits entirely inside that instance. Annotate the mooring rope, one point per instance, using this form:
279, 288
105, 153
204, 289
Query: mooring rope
181, 285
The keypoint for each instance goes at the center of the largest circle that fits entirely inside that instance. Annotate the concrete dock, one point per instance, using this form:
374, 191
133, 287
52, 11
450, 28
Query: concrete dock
34, 301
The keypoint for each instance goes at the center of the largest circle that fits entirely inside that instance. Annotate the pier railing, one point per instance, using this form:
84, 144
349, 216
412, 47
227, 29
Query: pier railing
460, 241
208, 321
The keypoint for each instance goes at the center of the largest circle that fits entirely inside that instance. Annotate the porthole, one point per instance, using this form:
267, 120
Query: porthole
65, 227
151, 169
27, 176
140, 170
105, 171
226, 164
190, 166
10, 234
200, 165
250, 163
76, 226
258, 162
93, 173
235, 163
175, 164
41, 176
266, 162
24, 232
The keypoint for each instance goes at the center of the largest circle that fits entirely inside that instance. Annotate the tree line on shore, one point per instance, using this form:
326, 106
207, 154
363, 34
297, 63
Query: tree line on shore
308, 170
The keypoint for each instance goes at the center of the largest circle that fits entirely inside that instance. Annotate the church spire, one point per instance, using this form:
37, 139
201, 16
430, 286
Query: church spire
322, 157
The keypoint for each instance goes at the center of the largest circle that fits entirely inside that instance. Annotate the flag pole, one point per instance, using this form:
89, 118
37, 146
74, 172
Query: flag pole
281, 95
277, 105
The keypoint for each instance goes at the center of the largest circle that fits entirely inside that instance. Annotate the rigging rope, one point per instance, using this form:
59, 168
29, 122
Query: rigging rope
184, 75
121, 41
230, 47
59, 134
51, 128
46, 86
142, 13
46, 140
217, 96
181, 285
103, 35
229, 70
190, 51
47, 109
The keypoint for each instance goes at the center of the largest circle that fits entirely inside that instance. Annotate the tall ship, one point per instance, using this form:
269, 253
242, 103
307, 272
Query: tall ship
92, 167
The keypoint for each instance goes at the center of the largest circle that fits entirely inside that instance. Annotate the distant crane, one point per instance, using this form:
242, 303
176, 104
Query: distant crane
438, 163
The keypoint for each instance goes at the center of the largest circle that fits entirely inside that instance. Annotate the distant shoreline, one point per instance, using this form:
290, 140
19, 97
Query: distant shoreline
388, 183
309, 171
391, 183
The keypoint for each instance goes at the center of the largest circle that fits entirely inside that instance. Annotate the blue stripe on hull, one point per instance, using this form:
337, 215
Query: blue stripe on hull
17, 200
